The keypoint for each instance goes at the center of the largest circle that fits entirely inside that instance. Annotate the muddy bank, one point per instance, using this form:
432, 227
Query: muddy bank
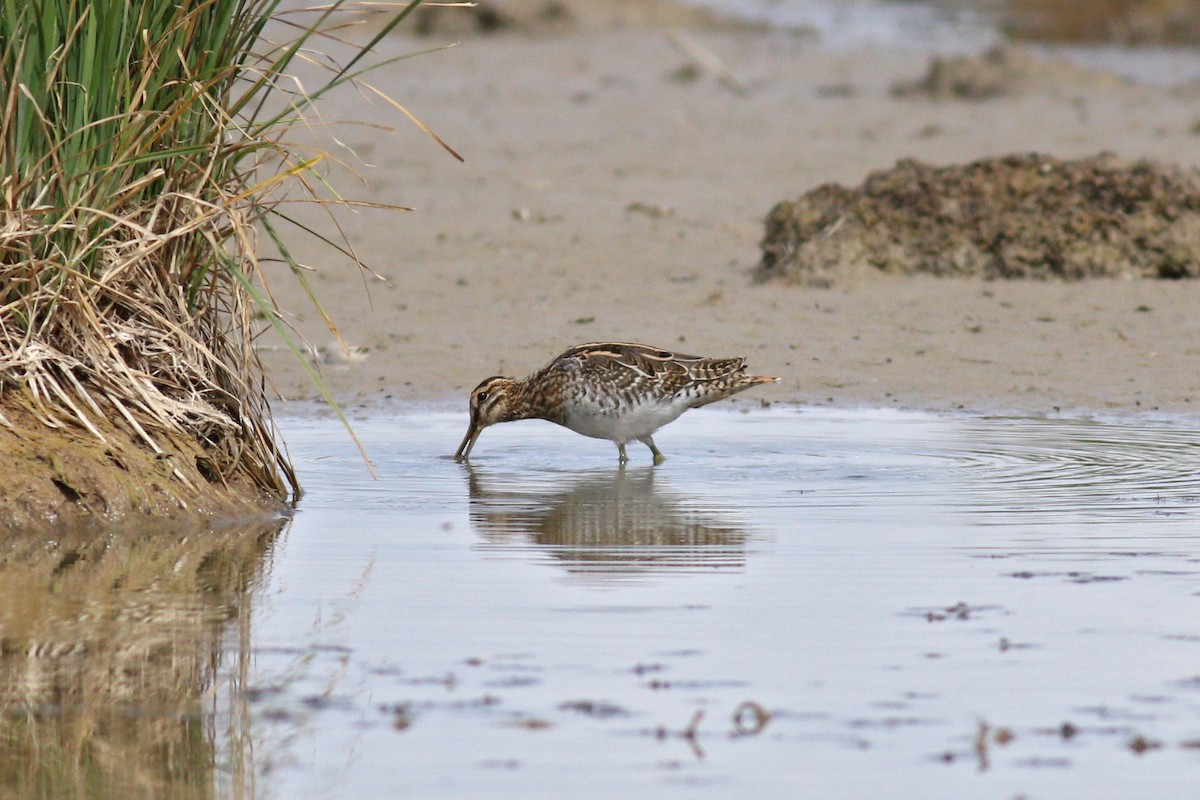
1021, 216
67, 478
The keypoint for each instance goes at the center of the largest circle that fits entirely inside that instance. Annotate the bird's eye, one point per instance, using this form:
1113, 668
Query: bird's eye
479, 398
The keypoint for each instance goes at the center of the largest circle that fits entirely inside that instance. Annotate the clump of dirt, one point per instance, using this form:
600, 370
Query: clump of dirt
1019, 216
1000, 71
1129, 22
63, 477
490, 17
544, 17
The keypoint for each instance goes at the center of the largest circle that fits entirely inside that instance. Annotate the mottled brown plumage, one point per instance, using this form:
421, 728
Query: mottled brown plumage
608, 390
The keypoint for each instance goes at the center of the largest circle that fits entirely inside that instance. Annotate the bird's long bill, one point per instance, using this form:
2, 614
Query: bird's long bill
464, 450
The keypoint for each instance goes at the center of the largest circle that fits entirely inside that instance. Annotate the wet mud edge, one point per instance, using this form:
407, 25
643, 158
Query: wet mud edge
67, 477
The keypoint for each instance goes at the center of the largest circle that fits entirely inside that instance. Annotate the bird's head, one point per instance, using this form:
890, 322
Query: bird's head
491, 402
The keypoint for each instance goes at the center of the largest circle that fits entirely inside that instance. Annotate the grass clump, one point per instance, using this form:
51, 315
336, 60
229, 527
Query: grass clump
142, 150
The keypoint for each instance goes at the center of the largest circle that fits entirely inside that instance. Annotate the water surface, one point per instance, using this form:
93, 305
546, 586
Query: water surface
951, 27
799, 602
953, 605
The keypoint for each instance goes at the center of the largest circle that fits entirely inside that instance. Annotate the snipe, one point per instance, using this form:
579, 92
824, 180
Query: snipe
608, 390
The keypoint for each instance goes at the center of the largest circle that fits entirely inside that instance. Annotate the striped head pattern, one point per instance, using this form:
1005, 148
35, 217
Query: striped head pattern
492, 401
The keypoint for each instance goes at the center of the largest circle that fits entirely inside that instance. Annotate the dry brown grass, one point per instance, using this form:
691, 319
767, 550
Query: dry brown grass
123, 342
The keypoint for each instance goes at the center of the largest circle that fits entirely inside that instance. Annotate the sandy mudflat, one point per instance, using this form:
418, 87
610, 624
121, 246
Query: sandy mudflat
611, 193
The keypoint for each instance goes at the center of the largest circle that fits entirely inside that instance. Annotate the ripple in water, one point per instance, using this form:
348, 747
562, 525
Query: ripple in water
1096, 472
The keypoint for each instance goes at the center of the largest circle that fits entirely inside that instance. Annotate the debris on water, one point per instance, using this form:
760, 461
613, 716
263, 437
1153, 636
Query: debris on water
690, 734
594, 708
750, 718
1039, 763
402, 718
985, 737
643, 669
1005, 644
981, 747
1087, 577
960, 611
530, 723
1140, 745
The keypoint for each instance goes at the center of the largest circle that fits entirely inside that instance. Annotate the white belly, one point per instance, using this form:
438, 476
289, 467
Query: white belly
624, 425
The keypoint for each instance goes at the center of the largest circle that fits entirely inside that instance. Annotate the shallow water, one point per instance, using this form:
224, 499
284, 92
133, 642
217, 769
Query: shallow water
798, 602
881, 584
951, 27
965, 26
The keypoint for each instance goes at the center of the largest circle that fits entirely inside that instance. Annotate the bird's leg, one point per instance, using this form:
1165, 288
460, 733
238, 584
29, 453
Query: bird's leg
621, 449
649, 442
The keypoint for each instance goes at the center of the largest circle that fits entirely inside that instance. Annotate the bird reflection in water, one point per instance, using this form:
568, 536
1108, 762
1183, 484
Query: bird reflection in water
606, 523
